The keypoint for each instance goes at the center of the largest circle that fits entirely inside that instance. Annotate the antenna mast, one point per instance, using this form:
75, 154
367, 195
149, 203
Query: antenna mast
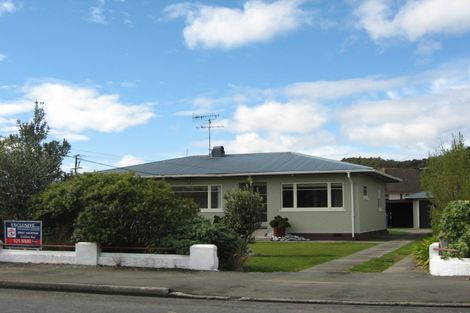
209, 118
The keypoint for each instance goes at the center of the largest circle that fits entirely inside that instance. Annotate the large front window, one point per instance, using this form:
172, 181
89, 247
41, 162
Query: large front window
206, 197
312, 196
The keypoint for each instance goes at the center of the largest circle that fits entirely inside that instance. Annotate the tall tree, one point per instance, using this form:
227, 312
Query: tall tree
28, 164
447, 176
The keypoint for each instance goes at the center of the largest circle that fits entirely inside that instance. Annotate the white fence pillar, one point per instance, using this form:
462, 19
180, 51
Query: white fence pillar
434, 259
86, 253
203, 257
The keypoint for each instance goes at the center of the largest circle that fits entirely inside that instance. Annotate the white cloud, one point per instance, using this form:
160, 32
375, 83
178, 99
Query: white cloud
128, 160
414, 19
428, 47
276, 126
7, 6
97, 13
417, 122
73, 110
227, 28
275, 117
255, 142
341, 88
2, 57
11, 108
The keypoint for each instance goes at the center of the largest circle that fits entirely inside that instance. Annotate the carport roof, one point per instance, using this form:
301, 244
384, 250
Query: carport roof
419, 195
271, 163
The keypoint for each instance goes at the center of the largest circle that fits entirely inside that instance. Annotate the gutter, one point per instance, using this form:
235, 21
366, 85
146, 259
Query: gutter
352, 205
395, 179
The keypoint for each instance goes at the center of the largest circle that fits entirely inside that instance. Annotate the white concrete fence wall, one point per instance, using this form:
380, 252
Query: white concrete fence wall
446, 267
202, 257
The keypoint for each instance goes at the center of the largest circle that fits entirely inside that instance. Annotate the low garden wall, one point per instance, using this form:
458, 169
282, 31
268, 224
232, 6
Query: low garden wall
201, 257
446, 267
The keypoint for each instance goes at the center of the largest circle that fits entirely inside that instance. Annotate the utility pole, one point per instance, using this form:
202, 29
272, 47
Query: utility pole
209, 118
77, 163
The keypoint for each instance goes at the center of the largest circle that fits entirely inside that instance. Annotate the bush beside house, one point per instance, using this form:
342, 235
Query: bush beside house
243, 211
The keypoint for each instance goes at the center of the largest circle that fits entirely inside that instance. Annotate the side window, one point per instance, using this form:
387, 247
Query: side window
337, 195
379, 199
287, 195
365, 194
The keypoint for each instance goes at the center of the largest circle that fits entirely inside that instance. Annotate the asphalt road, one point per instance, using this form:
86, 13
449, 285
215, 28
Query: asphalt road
16, 301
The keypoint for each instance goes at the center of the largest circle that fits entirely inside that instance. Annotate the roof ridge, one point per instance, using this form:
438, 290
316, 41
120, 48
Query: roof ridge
331, 160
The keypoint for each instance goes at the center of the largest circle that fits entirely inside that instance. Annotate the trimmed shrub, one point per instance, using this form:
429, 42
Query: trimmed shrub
231, 249
455, 227
114, 209
243, 212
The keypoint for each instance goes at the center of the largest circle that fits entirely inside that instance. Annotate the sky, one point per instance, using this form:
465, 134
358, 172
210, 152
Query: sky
121, 79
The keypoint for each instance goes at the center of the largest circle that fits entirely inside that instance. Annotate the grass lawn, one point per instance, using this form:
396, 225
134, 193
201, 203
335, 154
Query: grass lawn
382, 263
297, 256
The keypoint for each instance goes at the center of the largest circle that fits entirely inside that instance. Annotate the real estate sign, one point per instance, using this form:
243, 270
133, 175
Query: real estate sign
27, 234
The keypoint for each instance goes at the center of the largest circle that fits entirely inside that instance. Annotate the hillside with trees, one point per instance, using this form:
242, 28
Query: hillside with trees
378, 162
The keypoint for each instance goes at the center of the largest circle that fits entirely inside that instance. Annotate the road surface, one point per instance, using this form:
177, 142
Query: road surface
24, 301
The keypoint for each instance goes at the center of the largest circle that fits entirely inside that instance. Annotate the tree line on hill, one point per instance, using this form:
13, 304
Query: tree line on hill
379, 163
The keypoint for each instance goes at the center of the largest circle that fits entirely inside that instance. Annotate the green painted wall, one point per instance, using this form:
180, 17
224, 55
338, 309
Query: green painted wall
368, 217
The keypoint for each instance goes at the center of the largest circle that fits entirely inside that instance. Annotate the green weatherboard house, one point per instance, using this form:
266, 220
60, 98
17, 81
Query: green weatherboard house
322, 198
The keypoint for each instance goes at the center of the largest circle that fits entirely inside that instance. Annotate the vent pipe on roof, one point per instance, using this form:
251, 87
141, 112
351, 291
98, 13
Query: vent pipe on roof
218, 151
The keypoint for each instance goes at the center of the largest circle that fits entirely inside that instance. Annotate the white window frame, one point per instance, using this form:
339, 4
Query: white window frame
329, 208
209, 196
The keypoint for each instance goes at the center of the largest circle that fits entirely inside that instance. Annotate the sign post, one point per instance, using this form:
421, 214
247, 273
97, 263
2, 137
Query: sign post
23, 234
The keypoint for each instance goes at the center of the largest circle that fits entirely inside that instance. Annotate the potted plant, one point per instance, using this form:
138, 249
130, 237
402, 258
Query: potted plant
279, 225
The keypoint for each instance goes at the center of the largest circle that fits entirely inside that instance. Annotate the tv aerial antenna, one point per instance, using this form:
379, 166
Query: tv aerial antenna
209, 118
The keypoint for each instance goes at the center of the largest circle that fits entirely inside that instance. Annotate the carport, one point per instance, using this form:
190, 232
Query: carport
400, 213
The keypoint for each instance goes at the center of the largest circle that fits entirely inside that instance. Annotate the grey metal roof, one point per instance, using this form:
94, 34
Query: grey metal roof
272, 163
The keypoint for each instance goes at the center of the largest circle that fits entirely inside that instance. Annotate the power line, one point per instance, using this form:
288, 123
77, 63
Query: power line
102, 155
117, 167
145, 172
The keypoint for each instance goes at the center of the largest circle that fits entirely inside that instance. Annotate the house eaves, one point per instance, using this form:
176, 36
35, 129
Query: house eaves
374, 173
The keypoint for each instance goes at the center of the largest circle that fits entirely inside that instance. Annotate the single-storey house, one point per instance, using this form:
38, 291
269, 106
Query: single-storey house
322, 198
406, 203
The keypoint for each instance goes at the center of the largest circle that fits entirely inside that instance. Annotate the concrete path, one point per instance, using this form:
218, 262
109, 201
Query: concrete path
406, 265
344, 264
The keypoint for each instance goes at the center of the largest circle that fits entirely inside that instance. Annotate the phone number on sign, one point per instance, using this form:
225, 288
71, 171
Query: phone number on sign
22, 241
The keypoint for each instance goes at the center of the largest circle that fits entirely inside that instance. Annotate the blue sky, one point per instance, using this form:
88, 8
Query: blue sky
121, 79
